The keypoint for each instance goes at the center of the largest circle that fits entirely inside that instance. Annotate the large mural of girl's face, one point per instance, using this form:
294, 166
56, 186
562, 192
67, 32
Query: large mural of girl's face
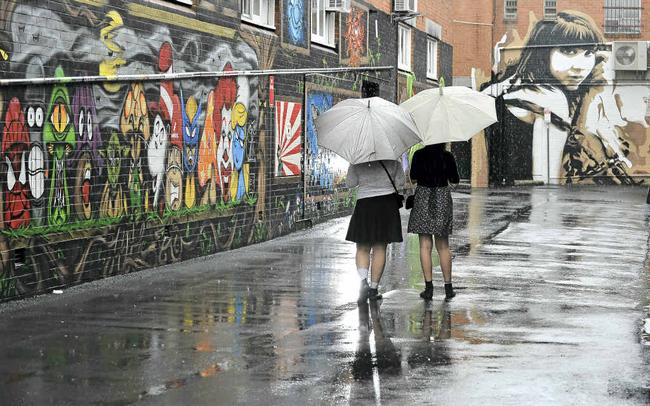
571, 66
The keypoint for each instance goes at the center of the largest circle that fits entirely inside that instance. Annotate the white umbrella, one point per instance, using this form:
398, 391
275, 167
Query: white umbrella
364, 130
449, 114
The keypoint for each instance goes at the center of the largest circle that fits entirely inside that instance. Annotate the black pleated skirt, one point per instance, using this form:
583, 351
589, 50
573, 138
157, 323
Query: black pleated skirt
375, 220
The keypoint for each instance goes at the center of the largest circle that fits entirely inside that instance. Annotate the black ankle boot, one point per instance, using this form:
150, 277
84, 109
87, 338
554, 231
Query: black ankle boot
449, 291
373, 294
427, 293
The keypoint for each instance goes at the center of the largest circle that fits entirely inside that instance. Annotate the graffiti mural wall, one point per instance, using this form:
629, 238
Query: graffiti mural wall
110, 177
598, 129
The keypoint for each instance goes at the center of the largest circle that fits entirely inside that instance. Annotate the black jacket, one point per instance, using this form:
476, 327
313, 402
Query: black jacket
432, 166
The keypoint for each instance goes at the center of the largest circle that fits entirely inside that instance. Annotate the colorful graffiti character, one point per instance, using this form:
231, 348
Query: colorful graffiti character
113, 203
156, 151
225, 94
15, 147
174, 178
208, 156
36, 164
191, 112
59, 139
135, 129
355, 36
239, 181
88, 160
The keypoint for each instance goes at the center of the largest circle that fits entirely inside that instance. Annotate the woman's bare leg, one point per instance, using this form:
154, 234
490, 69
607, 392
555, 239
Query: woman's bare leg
426, 247
444, 253
378, 262
362, 257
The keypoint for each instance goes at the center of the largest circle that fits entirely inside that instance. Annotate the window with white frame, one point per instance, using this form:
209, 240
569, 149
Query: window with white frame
622, 16
404, 52
432, 58
550, 9
261, 12
322, 23
510, 11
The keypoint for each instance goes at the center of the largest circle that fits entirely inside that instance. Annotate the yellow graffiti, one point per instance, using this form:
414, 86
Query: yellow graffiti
109, 66
138, 10
4, 55
239, 115
60, 118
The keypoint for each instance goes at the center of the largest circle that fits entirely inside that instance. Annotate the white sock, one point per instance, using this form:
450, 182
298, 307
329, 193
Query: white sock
363, 273
374, 285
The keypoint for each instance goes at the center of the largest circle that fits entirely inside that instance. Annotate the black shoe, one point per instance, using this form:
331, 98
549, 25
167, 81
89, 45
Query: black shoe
449, 291
363, 292
373, 294
427, 294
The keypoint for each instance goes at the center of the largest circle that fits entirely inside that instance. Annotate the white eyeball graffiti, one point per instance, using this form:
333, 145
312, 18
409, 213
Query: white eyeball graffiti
31, 117
39, 117
81, 124
36, 171
11, 177
89, 127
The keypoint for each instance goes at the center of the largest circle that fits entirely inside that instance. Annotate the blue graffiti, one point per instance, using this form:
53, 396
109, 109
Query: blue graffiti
295, 21
238, 149
321, 174
191, 133
317, 103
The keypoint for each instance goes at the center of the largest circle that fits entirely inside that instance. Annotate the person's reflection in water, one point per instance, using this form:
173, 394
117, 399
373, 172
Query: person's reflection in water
386, 360
432, 349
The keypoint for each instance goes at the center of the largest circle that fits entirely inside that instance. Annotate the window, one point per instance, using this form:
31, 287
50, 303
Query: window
432, 58
404, 53
322, 23
622, 16
261, 12
510, 12
550, 9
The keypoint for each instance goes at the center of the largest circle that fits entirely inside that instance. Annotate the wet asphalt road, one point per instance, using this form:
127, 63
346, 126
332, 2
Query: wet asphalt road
552, 286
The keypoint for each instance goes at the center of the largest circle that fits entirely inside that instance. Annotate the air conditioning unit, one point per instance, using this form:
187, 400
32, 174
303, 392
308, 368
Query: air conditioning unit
630, 55
342, 6
405, 5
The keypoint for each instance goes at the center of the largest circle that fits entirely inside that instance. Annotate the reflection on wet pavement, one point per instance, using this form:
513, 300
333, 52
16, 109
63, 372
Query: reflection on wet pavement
552, 292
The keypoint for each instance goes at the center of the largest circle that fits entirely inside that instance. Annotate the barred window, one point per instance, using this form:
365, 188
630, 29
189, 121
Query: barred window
550, 9
622, 16
510, 12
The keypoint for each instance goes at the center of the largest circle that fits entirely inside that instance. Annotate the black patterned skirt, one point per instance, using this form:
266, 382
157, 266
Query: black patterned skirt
432, 212
375, 220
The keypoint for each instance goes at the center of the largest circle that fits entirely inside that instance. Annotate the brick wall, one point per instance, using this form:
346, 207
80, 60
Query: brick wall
103, 178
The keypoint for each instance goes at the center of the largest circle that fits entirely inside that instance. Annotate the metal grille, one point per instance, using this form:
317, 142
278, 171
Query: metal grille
510, 12
623, 16
550, 9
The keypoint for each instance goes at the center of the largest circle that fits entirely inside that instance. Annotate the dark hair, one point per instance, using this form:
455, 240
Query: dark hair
569, 28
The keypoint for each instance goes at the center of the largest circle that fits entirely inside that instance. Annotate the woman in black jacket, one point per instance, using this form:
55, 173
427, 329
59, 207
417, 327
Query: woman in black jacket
433, 169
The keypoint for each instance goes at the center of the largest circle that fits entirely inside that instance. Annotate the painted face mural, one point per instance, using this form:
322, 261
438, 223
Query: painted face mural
295, 20
59, 139
191, 113
87, 162
134, 125
592, 137
174, 178
571, 66
113, 203
226, 95
15, 149
208, 156
36, 164
156, 151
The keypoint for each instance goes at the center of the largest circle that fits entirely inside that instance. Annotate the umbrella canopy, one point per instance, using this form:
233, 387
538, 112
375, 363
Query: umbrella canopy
450, 114
364, 130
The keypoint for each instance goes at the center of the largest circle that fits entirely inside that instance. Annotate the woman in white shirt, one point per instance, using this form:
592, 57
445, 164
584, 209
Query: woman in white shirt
375, 221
